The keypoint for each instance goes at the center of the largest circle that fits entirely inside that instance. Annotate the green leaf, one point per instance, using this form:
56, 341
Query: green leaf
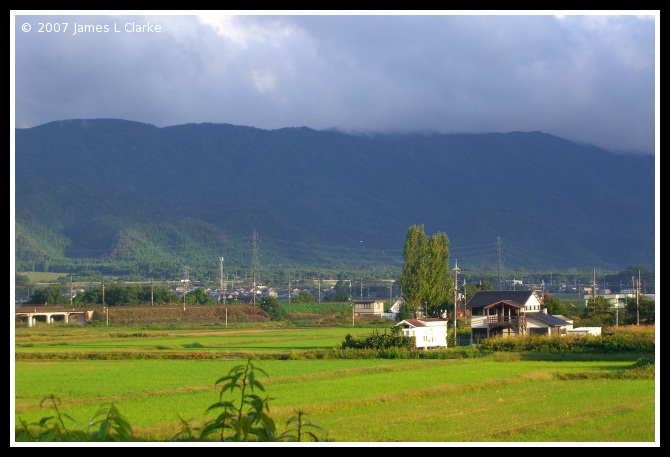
219, 404
225, 378
69, 418
251, 379
44, 420
51, 397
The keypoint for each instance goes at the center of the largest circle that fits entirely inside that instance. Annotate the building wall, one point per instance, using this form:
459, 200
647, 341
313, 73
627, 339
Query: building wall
375, 308
426, 337
478, 321
533, 304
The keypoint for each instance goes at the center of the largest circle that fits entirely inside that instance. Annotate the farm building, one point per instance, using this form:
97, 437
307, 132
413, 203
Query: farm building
427, 333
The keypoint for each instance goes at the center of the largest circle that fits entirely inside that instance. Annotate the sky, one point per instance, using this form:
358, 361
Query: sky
587, 78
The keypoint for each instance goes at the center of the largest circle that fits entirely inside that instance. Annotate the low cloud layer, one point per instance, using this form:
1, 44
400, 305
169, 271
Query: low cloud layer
586, 78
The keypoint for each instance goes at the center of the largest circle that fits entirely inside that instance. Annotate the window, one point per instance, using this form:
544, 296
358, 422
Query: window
367, 306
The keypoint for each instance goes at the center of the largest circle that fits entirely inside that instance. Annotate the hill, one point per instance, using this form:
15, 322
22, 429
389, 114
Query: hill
135, 194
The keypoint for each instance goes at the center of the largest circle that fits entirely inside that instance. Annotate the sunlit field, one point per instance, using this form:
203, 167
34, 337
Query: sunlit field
499, 397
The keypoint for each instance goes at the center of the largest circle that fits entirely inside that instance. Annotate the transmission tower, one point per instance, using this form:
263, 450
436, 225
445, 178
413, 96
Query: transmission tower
499, 266
254, 264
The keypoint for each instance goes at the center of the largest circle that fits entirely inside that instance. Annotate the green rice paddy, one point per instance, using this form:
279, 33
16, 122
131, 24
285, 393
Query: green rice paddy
503, 397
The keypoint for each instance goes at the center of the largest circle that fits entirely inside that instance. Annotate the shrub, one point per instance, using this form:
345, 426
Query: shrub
377, 341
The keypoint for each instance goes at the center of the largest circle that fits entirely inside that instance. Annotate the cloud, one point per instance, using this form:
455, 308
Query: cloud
588, 79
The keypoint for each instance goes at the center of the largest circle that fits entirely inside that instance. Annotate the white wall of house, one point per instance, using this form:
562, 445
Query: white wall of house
533, 304
478, 322
428, 337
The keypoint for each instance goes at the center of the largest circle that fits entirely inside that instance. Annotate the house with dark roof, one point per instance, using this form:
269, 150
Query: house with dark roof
545, 324
510, 313
374, 307
429, 332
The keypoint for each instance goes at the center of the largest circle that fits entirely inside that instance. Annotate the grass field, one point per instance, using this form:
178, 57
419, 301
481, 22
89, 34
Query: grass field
504, 397
214, 339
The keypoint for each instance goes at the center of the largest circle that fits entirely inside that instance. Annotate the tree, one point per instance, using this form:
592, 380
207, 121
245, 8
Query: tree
199, 297
304, 297
272, 307
554, 305
340, 295
51, 295
647, 310
22, 285
425, 277
439, 285
598, 312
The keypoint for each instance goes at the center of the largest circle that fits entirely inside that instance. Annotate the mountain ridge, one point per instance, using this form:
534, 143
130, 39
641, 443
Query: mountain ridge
565, 203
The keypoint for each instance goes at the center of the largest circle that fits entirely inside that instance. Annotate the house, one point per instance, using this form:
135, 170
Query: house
615, 300
373, 307
545, 324
509, 313
395, 307
427, 333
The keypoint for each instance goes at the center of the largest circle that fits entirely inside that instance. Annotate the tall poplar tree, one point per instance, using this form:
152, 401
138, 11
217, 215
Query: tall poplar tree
440, 284
425, 277
413, 276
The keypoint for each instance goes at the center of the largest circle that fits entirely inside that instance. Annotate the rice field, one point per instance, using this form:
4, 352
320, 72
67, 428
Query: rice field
497, 398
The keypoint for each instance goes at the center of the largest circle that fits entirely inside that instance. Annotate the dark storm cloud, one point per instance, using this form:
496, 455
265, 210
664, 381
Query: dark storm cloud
589, 79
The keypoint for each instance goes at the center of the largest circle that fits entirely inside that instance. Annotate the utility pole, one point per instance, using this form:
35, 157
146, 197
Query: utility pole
254, 264
465, 302
289, 289
456, 270
185, 280
319, 280
152, 291
617, 313
221, 285
70, 290
593, 290
361, 288
637, 298
103, 291
579, 289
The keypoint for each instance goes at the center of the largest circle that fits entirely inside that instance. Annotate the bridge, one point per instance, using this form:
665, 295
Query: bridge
52, 314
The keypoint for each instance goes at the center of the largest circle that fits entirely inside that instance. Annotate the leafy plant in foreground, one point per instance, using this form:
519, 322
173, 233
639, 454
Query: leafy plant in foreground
249, 419
107, 424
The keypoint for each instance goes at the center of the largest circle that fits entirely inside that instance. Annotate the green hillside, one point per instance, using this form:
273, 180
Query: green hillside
135, 197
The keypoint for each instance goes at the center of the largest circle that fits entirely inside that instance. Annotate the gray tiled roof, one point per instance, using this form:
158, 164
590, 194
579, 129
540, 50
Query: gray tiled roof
547, 319
484, 298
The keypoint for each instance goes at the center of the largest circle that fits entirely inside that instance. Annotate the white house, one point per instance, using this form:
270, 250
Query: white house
427, 333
